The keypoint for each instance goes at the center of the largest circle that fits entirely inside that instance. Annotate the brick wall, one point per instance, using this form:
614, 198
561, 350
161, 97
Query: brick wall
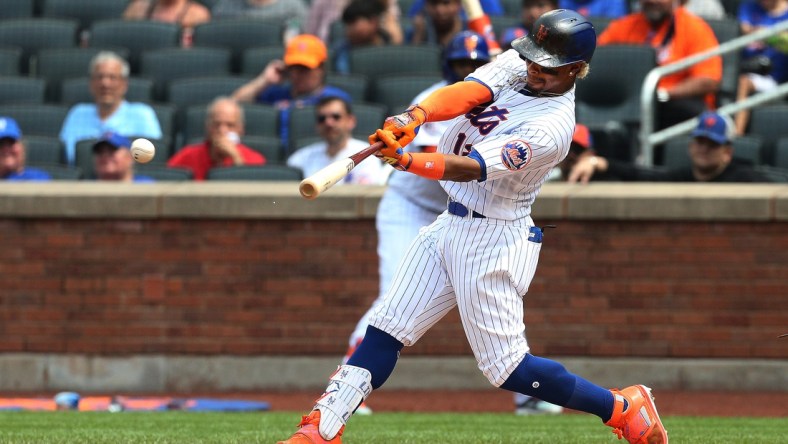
293, 287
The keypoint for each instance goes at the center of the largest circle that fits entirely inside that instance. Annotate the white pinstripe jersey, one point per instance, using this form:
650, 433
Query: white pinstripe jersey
517, 138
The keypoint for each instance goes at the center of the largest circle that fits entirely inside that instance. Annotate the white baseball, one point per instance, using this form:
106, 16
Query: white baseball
142, 150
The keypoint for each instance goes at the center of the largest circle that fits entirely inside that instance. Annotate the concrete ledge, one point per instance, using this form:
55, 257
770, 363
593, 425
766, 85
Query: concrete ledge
281, 200
183, 374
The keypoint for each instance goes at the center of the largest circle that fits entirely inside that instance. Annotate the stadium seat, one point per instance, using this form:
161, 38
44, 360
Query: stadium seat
168, 64
600, 23
78, 91
60, 64
85, 11
377, 61
237, 35
18, 90
781, 153
249, 172
675, 153
166, 114
369, 117
163, 173
260, 120
37, 119
397, 92
43, 150
302, 124
725, 30
300, 142
254, 60
501, 23
10, 59
610, 93
84, 158
17, 9
58, 171
202, 90
135, 35
748, 149
512, 7
612, 139
354, 84
35, 34
268, 146
769, 123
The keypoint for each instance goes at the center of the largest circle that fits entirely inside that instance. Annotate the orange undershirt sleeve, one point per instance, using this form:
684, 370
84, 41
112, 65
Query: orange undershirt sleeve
454, 100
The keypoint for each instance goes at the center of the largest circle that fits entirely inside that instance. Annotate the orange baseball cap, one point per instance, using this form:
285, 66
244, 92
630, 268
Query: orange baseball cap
307, 50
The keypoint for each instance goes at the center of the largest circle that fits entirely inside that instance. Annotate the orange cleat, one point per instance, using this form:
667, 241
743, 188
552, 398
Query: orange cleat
639, 423
308, 432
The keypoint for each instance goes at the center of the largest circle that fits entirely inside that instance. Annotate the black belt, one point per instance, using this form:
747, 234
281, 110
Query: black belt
461, 210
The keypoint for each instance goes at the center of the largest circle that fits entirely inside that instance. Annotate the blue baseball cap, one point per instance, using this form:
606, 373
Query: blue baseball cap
9, 129
713, 126
114, 140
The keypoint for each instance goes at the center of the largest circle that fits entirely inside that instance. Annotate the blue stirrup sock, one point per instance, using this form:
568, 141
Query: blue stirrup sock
378, 353
550, 381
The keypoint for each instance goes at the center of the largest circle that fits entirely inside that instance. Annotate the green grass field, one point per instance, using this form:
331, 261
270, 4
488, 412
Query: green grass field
380, 428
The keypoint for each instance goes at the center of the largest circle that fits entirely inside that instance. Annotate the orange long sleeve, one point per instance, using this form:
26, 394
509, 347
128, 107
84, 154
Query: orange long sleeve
454, 100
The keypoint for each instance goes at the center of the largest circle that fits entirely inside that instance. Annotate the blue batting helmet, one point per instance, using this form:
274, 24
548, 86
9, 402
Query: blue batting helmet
466, 45
557, 38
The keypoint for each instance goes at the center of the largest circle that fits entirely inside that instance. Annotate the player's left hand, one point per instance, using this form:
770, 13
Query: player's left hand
392, 152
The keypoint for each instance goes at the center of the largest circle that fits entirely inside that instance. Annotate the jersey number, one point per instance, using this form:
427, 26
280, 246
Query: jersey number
460, 148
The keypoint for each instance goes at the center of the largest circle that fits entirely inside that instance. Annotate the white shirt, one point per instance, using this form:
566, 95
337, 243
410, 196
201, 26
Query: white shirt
312, 158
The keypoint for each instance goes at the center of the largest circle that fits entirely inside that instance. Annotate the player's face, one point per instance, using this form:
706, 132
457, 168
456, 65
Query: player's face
334, 123
107, 83
532, 10
303, 80
550, 80
708, 156
12, 156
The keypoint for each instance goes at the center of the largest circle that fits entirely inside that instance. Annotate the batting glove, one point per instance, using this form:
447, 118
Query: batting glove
403, 126
392, 153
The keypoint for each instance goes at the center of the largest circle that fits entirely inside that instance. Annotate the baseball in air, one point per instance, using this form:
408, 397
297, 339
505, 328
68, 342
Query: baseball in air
142, 150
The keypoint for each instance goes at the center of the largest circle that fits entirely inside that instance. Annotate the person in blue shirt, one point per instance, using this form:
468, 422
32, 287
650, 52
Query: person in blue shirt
297, 81
12, 154
110, 112
363, 27
597, 8
112, 160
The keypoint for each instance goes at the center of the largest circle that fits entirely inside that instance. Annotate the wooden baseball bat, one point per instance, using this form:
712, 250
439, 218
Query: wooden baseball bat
479, 21
312, 186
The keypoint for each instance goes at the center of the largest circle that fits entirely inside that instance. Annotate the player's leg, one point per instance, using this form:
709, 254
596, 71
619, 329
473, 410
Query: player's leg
418, 298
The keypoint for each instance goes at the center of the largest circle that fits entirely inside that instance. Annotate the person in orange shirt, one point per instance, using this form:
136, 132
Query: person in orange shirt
675, 34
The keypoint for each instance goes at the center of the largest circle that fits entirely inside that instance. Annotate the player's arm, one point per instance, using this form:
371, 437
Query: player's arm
443, 104
435, 166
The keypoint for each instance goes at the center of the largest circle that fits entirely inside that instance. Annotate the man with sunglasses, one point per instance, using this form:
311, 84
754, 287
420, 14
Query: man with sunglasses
335, 124
512, 123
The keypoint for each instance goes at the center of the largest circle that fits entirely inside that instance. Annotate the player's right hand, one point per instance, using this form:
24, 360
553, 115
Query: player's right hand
403, 126
392, 152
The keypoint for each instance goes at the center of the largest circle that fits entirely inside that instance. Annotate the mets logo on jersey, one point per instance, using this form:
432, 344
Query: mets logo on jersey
516, 154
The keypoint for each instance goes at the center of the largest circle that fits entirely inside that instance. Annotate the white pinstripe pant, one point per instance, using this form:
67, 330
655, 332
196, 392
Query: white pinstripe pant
481, 266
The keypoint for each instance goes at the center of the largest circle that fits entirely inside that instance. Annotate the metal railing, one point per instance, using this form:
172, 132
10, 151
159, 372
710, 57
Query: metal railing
648, 138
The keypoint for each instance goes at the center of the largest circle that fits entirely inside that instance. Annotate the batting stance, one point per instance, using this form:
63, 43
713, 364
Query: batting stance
513, 121
412, 202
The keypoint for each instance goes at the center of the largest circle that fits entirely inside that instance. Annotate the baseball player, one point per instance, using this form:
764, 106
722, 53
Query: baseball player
412, 202
513, 121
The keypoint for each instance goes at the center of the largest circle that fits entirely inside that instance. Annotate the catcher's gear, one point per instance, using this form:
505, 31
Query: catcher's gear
558, 38
466, 45
403, 126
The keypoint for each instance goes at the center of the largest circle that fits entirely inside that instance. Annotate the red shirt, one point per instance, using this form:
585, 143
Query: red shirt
197, 157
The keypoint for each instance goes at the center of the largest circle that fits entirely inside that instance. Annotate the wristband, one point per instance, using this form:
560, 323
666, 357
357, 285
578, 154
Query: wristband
429, 165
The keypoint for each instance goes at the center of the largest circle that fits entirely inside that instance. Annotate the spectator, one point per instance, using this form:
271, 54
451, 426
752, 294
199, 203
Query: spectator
13, 154
335, 123
224, 125
437, 24
185, 13
490, 7
303, 68
530, 11
674, 34
765, 64
110, 112
362, 20
278, 11
112, 160
707, 9
597, 8
323, 13
710, 152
